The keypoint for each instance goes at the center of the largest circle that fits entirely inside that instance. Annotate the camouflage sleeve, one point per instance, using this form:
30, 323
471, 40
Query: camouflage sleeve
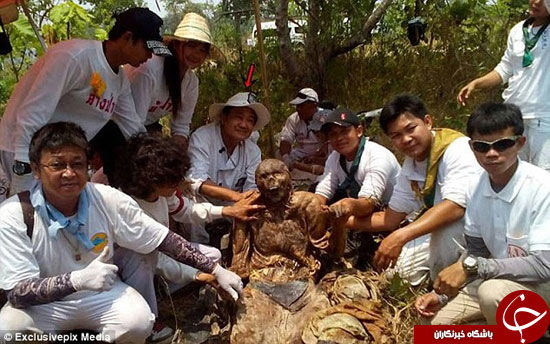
180, 249
35, 291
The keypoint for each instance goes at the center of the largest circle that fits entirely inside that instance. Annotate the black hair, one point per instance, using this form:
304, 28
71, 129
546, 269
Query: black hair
400, 104
172, 76
490, 117
327, 104
54, 136
139, 21
149, 161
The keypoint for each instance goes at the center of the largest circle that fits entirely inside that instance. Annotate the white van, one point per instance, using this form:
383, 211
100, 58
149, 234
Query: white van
269, 31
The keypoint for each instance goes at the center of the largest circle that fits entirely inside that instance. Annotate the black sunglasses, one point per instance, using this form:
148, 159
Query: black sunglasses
499, 145
252, 97
304, 96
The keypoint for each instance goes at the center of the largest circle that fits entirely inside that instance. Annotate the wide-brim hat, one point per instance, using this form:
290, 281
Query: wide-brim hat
194, 27
242, 99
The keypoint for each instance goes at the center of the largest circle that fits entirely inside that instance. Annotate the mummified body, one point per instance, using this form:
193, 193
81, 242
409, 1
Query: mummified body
278, 253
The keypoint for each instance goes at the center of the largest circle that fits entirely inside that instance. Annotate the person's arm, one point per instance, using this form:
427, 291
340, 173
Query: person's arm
532, 268
435, 218
210, 189
489, 80
381, 221
99, 275
287, 137
189, 95
142, 85
126, 117
181, 250
346, 207
59, 72
36, 291
284, 148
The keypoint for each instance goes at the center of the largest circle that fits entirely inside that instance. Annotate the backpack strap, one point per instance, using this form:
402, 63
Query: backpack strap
28, 211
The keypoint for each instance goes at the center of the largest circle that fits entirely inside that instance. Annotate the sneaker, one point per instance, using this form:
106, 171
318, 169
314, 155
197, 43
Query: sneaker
160, 333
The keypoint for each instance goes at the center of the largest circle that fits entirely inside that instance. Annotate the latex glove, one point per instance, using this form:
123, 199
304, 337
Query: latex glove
97, 276
228, 281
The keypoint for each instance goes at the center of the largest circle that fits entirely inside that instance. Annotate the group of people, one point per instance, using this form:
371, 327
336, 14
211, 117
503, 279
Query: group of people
462, 211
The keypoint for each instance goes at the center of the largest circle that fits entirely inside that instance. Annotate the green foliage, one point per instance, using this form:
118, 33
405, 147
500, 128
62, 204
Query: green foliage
69, 20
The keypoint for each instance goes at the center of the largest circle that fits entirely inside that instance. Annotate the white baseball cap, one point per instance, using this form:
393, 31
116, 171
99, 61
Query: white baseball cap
242, 99
305, 95
547, 4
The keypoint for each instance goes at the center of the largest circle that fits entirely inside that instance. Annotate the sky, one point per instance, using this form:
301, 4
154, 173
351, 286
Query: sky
153, 6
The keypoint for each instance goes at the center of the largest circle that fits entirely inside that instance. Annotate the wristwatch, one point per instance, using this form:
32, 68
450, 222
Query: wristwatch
20, 168
470, 265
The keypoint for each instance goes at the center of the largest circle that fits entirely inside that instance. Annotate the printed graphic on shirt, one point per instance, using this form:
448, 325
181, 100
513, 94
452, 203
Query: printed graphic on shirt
100, 241
107, 105
98, 85
166, 105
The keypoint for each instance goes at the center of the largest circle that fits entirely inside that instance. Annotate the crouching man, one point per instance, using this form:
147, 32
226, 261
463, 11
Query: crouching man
56, 245
507, 222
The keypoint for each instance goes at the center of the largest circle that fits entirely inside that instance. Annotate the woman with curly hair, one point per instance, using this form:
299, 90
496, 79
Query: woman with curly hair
151, 170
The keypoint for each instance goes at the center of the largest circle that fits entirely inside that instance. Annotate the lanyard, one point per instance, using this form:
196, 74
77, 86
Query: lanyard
530, 42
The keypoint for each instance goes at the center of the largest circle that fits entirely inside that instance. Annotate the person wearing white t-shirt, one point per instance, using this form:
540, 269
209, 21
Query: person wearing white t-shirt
507, 221
165, 85
431, 183
359, 174
151, 170
298, 140
56, 243
223, 158
78, 81
524, 66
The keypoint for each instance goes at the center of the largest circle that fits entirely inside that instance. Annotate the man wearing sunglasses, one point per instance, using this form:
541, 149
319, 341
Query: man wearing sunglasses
298, 139
507, 222
524, 66
429, 193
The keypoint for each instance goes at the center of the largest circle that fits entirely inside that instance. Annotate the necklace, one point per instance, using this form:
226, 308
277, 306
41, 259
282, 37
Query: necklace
76, 248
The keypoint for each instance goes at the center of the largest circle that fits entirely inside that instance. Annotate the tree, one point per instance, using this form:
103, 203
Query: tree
333, 28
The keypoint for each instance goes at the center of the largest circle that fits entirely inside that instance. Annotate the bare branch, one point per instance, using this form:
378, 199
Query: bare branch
361, 36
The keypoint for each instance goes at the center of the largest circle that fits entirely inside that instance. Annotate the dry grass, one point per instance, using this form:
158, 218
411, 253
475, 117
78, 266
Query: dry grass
201, 318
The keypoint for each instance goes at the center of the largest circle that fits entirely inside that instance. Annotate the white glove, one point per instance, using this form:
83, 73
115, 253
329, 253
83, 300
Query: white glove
229, 281
97, 276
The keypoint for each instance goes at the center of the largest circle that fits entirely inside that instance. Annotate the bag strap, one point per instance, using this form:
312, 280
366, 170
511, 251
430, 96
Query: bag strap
28, 211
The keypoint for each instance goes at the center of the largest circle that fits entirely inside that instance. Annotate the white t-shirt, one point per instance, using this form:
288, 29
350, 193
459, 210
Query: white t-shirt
297, 132
529, 87
58, 88
209, 160
113, 217
152, 98
377, 173
457, 168
515, 221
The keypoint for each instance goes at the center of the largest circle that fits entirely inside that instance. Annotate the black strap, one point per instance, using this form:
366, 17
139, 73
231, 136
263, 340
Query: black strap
28, 211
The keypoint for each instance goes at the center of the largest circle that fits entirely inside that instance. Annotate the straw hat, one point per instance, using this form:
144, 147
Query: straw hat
194, 27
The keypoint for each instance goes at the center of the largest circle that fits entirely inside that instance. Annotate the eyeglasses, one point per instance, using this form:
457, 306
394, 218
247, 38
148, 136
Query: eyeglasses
252, 98
57, 166
499, 145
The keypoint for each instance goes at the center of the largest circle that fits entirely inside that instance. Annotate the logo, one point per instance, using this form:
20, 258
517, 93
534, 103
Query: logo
524, 316
343, 116
100, 241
